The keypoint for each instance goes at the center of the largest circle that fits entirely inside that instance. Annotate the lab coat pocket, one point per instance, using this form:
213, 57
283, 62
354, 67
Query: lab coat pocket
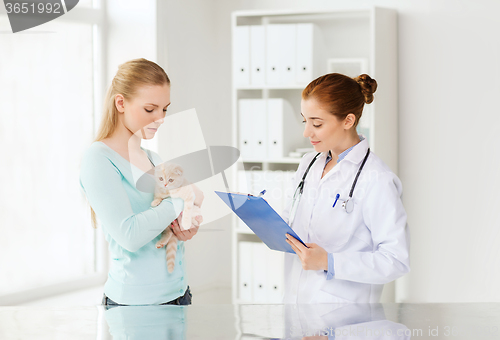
333, 226
324, 297
346, 291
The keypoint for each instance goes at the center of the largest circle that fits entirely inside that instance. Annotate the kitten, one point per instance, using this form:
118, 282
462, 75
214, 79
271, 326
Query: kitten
171, 183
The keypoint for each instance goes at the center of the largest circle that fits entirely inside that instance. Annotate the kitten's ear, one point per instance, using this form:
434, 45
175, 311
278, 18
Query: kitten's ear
178, 170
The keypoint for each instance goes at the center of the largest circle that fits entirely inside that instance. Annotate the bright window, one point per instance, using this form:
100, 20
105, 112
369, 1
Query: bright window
46, 121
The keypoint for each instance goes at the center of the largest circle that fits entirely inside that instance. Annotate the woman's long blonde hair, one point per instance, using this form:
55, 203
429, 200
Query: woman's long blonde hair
129, 77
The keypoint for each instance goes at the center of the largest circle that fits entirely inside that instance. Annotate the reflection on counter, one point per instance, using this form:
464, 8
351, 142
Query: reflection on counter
319, 321
146, 322
244, 322
326, 321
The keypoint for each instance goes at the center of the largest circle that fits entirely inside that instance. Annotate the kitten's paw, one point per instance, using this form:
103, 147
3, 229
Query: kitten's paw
156, 202
196, 221
160, 245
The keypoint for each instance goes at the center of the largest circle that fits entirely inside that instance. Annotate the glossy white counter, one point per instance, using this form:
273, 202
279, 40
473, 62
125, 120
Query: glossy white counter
341, 321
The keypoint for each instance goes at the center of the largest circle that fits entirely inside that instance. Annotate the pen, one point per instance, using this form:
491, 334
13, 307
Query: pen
262, 193
336, 199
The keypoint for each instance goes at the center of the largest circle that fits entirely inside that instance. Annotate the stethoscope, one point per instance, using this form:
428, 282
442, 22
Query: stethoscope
347, 204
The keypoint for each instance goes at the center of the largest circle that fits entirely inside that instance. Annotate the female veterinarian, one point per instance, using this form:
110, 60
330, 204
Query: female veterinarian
347, 207
135, 106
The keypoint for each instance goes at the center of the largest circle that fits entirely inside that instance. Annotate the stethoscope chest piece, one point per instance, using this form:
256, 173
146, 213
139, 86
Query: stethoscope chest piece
348, 205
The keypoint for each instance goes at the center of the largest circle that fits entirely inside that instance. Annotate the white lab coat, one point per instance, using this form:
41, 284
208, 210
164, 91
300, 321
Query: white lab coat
370, 245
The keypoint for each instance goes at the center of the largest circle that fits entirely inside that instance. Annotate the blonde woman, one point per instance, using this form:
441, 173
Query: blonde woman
135, 107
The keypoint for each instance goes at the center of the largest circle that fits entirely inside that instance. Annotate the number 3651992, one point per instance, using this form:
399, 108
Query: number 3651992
25, 8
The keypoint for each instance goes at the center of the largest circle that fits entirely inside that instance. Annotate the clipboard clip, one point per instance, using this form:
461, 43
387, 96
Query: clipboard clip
259, 195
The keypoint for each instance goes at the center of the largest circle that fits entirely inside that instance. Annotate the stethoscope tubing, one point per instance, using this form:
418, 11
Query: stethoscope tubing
300, 187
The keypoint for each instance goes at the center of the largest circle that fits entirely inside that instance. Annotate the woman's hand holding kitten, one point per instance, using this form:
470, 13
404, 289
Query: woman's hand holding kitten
187, 234
183, 235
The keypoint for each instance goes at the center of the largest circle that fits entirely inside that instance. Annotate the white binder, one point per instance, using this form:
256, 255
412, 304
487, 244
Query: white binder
246, 121
284, 128
241, 56
275, 276
288, 187
288, 54
252, 129
274, 187
280, 54
245, 181
257, 55
310, 51
260, 284
245, 264
245, 184
260, 273
273, 54
259, 128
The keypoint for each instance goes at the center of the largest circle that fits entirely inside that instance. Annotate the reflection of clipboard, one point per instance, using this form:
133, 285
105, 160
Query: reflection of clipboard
261, 218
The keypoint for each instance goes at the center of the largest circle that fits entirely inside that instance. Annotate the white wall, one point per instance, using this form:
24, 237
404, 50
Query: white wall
449, 67
131, 33
191, 56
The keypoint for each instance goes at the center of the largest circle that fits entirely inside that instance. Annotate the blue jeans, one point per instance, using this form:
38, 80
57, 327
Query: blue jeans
181, 300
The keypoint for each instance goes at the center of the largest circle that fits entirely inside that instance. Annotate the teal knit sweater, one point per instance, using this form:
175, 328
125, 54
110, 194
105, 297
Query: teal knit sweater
138, 273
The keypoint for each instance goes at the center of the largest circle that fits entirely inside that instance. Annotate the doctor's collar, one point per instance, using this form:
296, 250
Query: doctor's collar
358, 151
344, 153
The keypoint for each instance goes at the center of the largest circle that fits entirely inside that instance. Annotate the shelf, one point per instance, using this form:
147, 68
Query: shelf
355, 41
271, 87
286, 160
243, 231
298, 14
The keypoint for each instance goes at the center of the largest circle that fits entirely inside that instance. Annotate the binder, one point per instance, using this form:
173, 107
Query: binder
259, 271
245, 256
259, 128
274, 189
245, 184
273, 54
257, 55
275, 276
241, 56
280, 54
252, 128
262, 219
310, 51
284, 127
246, 138
288, 54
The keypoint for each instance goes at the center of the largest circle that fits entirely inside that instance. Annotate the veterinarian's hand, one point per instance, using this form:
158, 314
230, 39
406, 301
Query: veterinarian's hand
312, 258
199, 196
183, 235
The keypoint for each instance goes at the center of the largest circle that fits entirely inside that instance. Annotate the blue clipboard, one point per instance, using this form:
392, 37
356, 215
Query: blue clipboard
263, 220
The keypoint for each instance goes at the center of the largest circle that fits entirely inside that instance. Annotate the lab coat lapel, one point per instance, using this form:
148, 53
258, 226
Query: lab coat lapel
357, 153
355, 156
314, 175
